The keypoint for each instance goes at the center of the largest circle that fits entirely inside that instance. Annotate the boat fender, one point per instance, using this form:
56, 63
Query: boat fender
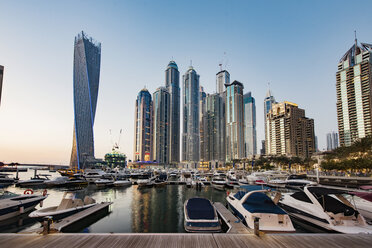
227, 193
45, 192
28, 192
41, 204
21, 209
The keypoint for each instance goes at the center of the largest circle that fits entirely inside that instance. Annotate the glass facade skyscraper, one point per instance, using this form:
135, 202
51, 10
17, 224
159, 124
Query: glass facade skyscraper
142, 127
160, 125
268, 102
215, 128
172, 82
191, 132
332, 141
87, 63
250, 141
353, 86
234, 121
1, 79
222, 78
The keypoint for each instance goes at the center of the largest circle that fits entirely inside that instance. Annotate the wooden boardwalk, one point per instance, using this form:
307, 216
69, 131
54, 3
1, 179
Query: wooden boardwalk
184, 240
235, 226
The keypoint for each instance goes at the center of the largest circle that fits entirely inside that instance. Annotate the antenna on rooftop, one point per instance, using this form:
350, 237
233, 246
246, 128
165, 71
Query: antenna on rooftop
220, 66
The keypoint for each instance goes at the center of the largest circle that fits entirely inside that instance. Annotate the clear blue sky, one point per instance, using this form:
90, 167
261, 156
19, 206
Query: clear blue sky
294, 45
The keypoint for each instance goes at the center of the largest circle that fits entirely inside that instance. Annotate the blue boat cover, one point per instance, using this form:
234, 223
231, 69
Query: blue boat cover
253, 187
259, 203
200, 209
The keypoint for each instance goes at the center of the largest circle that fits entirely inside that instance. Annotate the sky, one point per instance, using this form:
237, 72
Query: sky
291, 47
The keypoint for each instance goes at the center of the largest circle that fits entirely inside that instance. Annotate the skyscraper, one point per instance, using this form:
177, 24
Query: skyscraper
202, 119
353, 86
87, 63
142, 127
215, 128
191, 132
268, 102
332, 141
1, 79
234, 121
172, 82
289, 132
250, 141
160, 125
222, 78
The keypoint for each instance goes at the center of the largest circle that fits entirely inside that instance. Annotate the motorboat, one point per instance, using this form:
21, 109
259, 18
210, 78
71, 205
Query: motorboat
297, 181
104, 182
37, 180
257, 178
146, 182
253, 204
219, 182
232, 182
121, 183
69, 205
93, 175
363, 203
243, 182
12, 205
324, 209
5, 180
65, 182
200, 216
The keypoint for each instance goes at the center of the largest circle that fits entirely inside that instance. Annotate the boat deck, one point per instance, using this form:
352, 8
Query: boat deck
184, 240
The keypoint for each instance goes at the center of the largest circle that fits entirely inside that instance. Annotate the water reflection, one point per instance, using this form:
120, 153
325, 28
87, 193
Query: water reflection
154, 210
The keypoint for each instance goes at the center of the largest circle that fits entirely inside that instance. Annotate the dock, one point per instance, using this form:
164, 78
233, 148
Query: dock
162, 240
352, 182
73, 219
235, 226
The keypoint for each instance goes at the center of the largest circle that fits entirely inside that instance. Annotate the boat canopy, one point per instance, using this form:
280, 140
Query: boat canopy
259, 202
200, 208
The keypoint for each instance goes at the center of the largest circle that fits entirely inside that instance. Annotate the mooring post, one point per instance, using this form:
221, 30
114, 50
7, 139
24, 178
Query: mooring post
46, 224
257, 226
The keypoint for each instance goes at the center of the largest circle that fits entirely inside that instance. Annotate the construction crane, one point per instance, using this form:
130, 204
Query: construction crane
116, 145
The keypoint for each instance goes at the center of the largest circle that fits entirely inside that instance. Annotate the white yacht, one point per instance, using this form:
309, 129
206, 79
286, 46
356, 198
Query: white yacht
104, 182
122, 183
219, 182
12, 204
253, 204
69, 205
297, 181
257, 178
324, 209
91, 175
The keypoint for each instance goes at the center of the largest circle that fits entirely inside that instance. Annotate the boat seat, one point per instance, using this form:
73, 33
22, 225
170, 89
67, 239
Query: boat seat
88, 200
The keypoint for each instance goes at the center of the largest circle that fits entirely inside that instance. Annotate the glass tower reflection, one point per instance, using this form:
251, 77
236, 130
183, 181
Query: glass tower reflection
87, 60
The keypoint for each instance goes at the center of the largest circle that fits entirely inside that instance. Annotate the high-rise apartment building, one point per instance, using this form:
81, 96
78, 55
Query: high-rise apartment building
142, 127
87, 63
172, 82
289, 132
1, 79
268, 102
160, 125
202, 119
234, 121
332, 141
215, 128
191, 132
353, 86
222, 78
250, 141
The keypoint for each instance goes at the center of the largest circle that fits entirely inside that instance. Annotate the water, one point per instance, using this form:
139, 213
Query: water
152, 210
